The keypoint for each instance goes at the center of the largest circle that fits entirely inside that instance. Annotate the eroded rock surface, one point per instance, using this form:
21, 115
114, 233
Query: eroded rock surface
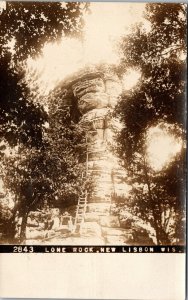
96, 95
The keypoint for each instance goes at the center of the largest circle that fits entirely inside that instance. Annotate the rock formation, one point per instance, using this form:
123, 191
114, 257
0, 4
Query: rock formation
96, 94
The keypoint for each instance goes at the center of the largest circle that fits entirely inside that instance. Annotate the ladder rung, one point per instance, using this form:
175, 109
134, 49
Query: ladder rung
96, 151
82, 203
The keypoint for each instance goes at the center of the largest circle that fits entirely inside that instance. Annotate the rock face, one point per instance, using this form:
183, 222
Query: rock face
96, 95
96, 98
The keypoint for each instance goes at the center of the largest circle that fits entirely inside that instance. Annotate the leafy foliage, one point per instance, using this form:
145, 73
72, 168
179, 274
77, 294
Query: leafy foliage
44, 166
29, 25
21, 119
68, 143
159, 98
32, 24
53, 172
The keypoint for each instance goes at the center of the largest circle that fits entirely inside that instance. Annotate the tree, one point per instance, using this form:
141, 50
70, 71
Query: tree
158, 99
29, 25
35, 172
21, 119
32, 24
51, 173
67, 142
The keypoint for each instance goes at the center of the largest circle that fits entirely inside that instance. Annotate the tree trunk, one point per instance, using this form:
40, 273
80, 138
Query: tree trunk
161, 236
11, 228
23, 227
164, 238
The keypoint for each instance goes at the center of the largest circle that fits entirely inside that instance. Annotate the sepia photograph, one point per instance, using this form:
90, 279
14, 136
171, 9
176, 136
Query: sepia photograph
92, 126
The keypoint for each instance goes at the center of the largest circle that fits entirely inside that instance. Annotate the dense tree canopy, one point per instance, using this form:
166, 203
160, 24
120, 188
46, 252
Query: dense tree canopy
52, 172
44, 165
32, 24
21, 119
28, 26
158, 100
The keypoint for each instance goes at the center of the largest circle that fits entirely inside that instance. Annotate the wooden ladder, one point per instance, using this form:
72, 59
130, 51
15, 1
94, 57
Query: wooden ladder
82, 200
80, 211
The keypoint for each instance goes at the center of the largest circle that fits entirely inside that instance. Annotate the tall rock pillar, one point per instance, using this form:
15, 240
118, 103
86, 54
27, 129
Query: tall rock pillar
97, 95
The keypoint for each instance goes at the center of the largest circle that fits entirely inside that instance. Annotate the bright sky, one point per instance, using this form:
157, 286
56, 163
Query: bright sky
162, 147
103, 27
2, 5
